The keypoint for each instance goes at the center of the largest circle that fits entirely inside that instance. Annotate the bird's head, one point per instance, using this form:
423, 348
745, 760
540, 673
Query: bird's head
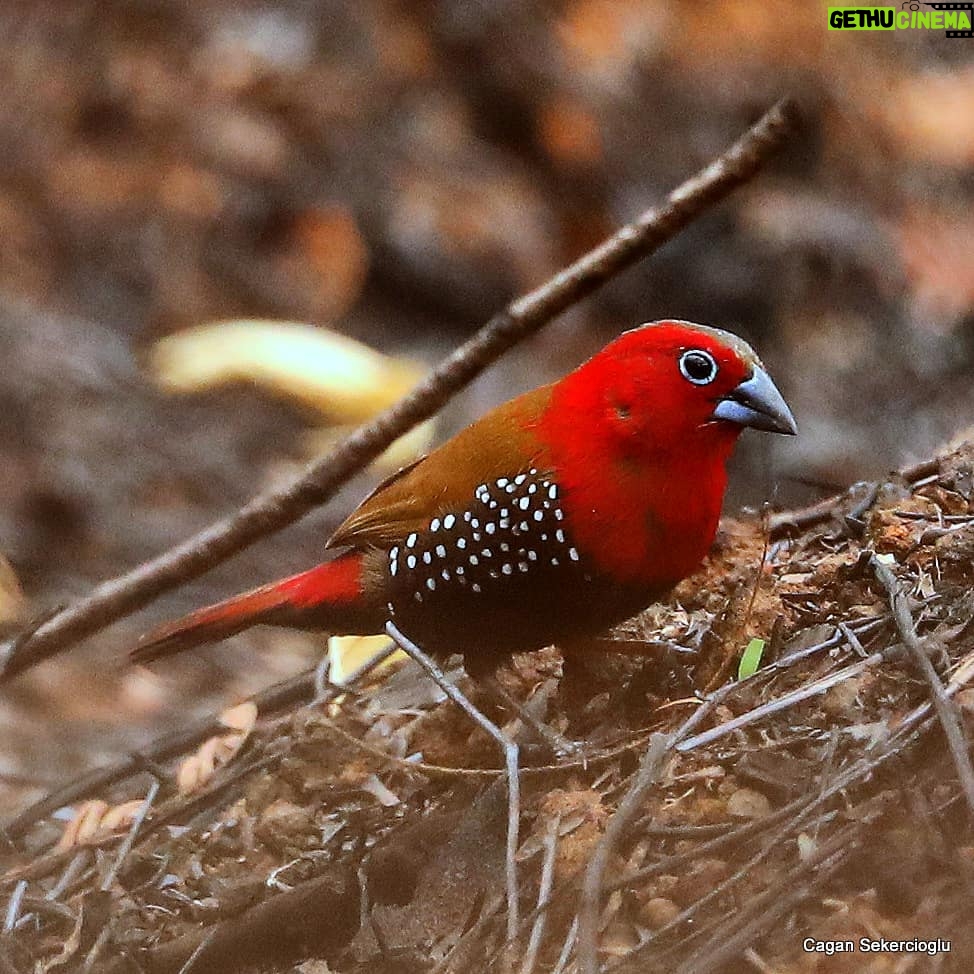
668, 384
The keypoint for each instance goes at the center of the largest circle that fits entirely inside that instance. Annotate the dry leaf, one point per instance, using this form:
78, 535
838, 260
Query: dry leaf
347, 653
11, 596
343, 380
96, 819
196, 770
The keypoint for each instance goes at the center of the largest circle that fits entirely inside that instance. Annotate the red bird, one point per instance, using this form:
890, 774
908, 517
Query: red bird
555, 516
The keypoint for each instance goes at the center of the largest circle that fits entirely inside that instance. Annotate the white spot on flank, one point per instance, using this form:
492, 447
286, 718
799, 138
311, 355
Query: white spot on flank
560, 536
492, 506
411, 561
449, 521
554, 561
490, 527
494, 574
477, 535
524, 526
474, 560
474, 523
427, 558
520, 478
502, 482
522, 566
435, 524
411, 540
418, 596
533, 471
445, 575
525, 503
532, 556
505, 512
553, 491
507, 569
475, 587
461, 543
510, 488
573, 554
467, 515
559, 515
505, 546
487, 553
539, 515
431, 584
441, 551
394, 554
532, 488
393, 567
459, 569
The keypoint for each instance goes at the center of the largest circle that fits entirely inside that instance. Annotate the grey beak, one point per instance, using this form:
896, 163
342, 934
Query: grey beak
757, 403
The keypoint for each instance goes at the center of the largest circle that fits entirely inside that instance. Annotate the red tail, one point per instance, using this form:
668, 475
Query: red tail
335, 584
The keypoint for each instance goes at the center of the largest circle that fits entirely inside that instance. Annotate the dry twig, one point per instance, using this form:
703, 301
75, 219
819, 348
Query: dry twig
942, 703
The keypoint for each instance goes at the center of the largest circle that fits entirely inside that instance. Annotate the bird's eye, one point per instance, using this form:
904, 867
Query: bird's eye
698, 367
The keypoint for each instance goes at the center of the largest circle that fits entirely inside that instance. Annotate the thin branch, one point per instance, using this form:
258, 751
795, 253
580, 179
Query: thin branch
274, 510
860, 496
942, 703
650, 768
296, 689
544, 894
509, 749
126, 847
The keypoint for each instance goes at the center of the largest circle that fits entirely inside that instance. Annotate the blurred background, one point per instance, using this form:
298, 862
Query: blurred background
396, 172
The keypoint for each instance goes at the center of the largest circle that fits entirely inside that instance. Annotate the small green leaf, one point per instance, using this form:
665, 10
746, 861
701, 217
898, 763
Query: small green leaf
750, 659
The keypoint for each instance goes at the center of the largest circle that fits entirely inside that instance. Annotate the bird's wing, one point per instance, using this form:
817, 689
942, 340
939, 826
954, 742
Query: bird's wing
501, 444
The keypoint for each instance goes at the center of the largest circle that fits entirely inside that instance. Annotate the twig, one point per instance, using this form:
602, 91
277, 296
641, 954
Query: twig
13, 906
281, 695
865, 493
274, 510
544, 892
650, 767
781, 703
273, 698
126, 847
762, 912
96, 948
566, 948
944, 707
195, 955
507, 746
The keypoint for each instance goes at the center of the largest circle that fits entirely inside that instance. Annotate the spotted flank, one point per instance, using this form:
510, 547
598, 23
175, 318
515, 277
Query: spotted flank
513, 526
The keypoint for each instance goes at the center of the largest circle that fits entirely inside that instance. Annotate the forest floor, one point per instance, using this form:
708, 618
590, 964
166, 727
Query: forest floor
364, 829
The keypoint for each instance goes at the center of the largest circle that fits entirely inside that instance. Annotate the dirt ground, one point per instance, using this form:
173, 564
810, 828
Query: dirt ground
397, 172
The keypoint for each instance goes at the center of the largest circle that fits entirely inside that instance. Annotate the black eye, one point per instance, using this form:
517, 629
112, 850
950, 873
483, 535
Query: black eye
698, 367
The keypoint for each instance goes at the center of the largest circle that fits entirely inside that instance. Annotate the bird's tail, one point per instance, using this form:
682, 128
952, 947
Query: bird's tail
322, 596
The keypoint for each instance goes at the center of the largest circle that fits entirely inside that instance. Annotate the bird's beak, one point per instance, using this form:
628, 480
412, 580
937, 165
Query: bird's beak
757, 403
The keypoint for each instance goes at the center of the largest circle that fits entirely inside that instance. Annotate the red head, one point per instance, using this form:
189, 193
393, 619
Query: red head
673, 385
644, 430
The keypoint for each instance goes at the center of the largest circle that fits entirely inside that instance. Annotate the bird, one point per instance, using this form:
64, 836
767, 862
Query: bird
555, 516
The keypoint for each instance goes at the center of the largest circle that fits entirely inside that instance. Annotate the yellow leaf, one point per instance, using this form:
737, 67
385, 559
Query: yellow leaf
342, 379
348, 653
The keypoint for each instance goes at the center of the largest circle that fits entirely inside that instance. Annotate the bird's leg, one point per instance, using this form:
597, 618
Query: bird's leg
510, 762
559, 744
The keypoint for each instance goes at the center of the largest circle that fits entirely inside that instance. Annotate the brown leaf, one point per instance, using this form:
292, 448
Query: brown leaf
197, 769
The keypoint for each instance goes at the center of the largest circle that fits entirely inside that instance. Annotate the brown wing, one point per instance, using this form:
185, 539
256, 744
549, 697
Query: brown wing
501, 444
